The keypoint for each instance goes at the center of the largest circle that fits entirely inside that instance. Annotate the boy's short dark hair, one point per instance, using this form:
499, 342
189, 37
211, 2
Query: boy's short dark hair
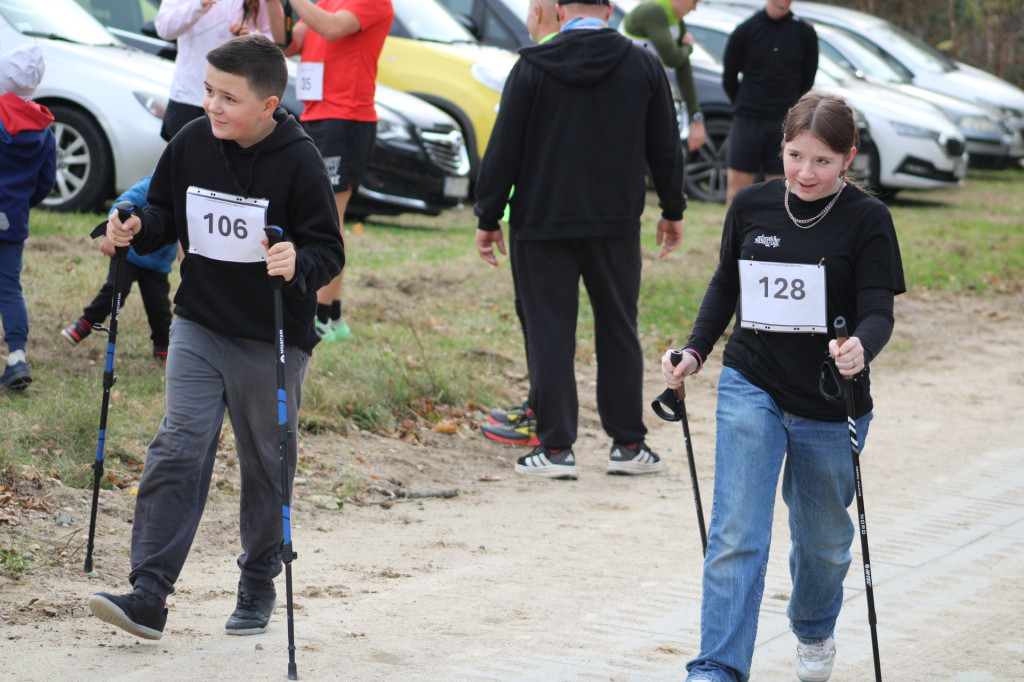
257, 59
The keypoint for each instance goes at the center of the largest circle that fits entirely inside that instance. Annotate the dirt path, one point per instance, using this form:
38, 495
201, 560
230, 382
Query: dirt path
590, 580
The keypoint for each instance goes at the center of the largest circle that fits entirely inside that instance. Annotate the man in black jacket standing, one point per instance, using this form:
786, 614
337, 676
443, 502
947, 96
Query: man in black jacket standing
777, 53
582, 118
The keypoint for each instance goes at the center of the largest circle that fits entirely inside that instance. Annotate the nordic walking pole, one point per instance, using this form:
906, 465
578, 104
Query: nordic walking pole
851, 418
676, 402
124, 209
274, 235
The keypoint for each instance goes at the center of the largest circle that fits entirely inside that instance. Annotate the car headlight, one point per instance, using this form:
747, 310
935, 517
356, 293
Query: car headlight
909, 130
489, 75
980, 124
391, 127
154, 104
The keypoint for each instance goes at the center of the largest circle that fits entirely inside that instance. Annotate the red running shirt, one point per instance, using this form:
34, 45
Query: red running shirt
350, 63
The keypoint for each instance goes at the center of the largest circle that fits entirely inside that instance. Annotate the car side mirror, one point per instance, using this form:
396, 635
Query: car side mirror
149, 29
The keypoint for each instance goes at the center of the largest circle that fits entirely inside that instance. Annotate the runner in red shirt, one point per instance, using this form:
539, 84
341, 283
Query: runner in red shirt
340, 42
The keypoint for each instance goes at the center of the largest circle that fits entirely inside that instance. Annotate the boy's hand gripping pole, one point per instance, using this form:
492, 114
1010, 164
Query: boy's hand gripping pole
671, 406
274, 235
851, 418
124, 211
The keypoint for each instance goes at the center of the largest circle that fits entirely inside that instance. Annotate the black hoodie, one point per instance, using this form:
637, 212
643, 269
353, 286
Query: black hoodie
582, 118
235, 299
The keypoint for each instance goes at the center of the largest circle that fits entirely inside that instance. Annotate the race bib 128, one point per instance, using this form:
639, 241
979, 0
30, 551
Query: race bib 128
782, 297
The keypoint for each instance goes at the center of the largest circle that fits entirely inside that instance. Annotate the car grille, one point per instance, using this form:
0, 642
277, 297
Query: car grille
447, 150
954, 147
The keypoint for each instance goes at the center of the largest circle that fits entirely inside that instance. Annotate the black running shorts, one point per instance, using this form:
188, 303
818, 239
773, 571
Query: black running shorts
755, 143
345, 147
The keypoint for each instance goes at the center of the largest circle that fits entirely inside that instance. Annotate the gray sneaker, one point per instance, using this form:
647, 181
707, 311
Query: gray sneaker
253, 609
814, 661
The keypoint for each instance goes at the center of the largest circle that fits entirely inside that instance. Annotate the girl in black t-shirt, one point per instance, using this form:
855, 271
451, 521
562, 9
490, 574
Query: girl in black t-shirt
796, 253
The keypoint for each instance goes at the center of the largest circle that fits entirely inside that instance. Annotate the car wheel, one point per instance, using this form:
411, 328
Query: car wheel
867, 171
84, 162
706, 170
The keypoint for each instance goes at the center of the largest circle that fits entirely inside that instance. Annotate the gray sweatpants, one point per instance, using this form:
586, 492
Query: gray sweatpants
206, 374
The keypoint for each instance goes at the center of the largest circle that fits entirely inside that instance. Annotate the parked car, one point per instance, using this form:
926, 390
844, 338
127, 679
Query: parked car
430, 54
914, 60
107, 100
905, 141
419, 163
991, 141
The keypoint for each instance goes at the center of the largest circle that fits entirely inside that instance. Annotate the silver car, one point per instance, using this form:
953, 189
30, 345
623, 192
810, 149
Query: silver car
108, 100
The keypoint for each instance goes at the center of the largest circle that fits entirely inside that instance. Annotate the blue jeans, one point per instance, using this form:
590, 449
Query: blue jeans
755, 440
12, 302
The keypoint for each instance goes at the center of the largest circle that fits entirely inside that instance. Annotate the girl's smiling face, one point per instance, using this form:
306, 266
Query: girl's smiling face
812, 168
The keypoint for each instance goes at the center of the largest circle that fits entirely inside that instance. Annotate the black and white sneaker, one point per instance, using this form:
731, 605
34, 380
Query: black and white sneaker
632, 460
543, 462
139, 612
253, 609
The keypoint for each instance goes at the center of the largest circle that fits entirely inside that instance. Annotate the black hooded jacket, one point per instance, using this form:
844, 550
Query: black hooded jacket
235, 299
582, 118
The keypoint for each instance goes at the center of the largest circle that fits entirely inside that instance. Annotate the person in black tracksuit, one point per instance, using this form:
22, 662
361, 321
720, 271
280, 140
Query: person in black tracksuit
581, 118
777, 53
219, 182
796, 253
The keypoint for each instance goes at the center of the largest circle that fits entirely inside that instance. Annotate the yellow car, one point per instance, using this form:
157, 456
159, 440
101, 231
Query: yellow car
431, 55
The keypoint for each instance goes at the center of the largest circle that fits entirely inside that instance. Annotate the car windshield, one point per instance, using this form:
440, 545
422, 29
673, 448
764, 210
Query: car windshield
909, 48
859, 55
427, 20
55, 19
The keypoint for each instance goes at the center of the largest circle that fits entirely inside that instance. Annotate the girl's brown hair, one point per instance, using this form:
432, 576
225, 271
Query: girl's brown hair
828, 117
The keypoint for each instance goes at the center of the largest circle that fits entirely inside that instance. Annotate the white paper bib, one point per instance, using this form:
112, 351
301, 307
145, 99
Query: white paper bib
782, 297
309, 81
226, 227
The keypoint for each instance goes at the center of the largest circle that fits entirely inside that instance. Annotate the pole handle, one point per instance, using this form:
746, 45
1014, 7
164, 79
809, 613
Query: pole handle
675, 357
124, 212
841, 334
274, 235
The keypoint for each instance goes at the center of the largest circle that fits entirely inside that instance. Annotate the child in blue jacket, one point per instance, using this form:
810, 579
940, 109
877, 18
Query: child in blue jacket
28, 167
150, 271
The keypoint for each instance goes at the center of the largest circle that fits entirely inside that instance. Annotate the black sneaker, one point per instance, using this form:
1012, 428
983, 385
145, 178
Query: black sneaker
140, 612
632, 460
17, 376
543, 462
252, 610
76, 332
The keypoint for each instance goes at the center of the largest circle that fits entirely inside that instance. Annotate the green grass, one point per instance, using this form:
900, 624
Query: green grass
434, 329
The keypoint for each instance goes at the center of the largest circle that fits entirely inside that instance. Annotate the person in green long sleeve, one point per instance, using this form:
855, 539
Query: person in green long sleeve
660, 24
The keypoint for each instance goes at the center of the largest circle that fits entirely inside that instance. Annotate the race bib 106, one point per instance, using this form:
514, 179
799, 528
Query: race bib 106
226, 227
782, 297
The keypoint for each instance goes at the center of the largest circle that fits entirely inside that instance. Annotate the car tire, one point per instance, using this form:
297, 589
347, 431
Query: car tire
85, 165
706, 169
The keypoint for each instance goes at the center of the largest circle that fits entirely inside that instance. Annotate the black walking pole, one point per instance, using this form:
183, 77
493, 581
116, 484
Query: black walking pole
124, 209
851, 418
274, 235
675, 401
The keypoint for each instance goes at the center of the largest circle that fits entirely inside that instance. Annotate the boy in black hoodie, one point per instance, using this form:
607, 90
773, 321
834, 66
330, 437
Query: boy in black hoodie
220, 181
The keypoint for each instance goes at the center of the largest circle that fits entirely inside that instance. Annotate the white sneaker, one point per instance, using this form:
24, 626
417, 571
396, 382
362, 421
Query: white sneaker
814, 661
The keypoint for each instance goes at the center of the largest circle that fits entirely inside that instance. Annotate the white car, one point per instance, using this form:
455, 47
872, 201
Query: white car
107, 99
907, 143
915, 61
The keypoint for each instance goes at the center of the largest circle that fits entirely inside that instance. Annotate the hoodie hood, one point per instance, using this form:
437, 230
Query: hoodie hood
23, 126
579, 58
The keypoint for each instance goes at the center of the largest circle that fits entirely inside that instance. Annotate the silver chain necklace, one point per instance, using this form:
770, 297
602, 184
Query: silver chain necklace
811, 222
